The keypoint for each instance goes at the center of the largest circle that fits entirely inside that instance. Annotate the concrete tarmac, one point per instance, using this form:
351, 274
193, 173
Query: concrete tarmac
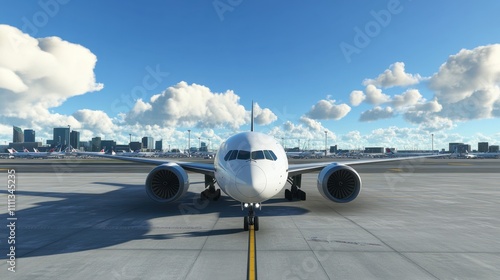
407, 223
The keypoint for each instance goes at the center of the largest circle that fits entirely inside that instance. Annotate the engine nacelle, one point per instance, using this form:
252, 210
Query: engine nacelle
167, 183
339, 183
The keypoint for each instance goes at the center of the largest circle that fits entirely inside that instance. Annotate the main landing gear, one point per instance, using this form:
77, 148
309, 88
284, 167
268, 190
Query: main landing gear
251, 219
295, 192
210, 193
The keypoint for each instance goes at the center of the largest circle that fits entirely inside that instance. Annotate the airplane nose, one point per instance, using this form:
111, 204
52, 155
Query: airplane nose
251, 180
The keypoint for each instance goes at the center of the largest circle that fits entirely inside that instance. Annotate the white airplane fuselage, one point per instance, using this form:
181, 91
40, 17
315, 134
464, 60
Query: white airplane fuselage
251, 167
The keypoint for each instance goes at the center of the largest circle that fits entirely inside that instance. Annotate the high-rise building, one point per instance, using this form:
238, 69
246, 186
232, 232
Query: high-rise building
61, 135
452, 146
148, 142
203, 147
482, 147
17, 135
494, 149
159, 145
74, 139
108, 145
96, 144
29, 135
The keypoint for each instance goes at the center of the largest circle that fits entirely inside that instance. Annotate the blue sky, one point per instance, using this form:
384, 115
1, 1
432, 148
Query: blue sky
288, 56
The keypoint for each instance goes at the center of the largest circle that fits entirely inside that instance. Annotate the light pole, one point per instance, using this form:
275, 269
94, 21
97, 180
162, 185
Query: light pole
189, 142
69, 138
432, 145
326, 138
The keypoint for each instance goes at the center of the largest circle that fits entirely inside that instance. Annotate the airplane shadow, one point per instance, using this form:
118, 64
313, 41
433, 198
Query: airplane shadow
68, 222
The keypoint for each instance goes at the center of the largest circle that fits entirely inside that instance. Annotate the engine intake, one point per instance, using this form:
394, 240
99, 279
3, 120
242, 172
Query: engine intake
167, 183
339, 183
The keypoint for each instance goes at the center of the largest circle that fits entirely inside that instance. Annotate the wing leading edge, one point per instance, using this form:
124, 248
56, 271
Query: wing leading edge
297, 169
203, 168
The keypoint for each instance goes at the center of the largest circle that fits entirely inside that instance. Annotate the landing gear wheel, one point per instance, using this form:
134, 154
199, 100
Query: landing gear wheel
217, 195
301, 195
208, 194
256, 223
245, 223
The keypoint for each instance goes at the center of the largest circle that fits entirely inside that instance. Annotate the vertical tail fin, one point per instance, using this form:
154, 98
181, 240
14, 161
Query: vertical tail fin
251, 119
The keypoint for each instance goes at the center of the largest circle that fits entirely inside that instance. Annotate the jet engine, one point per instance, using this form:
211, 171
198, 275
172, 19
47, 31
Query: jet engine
339, 183
167, 183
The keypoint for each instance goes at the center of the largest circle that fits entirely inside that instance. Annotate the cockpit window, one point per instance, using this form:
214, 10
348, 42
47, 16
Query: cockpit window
245, 155
233, 155
270, 155
258, 155
226, 157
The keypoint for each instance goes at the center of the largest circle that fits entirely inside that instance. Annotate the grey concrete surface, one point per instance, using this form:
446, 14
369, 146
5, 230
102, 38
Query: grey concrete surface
404, 225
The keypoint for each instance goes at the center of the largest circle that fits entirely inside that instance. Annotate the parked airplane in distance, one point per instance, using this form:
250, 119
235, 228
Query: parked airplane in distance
390, 153
482, 155
252, 167
136, 154
26, 154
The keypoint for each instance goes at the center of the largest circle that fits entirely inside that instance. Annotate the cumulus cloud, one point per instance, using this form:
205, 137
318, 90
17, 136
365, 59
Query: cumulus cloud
377, 113
263, 116
38, 74
408, 98
375, 96
357, 97
467, 84
328, 110
95, 120
394, 76
308, 131
196, 105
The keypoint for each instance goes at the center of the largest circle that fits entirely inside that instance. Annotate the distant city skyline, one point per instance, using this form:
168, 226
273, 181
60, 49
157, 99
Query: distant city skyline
367, 72
61, 135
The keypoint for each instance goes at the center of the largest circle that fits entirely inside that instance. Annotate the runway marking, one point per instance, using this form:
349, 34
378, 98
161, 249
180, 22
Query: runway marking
396, 169
459, 164
252, 255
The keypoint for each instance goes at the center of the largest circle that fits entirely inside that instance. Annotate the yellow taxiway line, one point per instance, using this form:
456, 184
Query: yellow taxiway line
252, 255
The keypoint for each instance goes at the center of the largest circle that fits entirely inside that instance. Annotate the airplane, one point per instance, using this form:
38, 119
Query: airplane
482, 155
391, 153
488, 155
136, 153
252, 167
26, 154
470, 156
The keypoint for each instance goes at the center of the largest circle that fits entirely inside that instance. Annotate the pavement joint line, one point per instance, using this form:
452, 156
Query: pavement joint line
401, 254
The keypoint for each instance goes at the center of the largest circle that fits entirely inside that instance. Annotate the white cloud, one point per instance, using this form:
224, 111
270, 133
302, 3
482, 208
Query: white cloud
394, 76
196, 105
263, 116
41, 73
375, 96
97, 121
357, 97
377, 113
328, 110
408, 98
309, 132
467, 84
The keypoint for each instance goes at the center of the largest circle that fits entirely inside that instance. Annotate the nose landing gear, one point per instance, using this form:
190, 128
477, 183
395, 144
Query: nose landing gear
251, 219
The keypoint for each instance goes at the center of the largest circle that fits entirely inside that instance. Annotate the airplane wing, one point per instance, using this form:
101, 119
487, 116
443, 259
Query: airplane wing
203, 168
297, 169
